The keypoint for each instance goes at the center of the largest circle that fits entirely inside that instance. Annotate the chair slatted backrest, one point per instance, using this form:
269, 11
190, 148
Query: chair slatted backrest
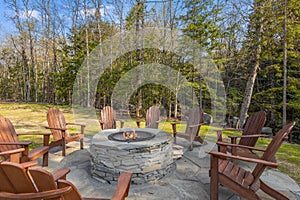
108, 117
18, 177
254, 125
273, 148
195, 118
6, 185
7, 134
43, 179
56, 119
152, 117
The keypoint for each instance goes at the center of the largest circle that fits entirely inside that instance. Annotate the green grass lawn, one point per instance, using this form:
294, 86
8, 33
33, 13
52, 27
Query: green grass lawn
28, 118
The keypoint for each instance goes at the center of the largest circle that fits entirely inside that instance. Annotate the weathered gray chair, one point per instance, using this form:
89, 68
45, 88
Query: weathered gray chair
192, 129
108, 119
152, 118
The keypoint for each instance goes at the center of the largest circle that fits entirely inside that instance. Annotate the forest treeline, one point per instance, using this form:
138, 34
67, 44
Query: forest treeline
254, 44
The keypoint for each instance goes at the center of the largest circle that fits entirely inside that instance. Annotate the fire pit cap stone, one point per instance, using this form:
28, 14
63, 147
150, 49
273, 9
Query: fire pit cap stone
101, 138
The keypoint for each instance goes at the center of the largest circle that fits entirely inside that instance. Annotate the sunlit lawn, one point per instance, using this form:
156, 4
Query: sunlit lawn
28, 118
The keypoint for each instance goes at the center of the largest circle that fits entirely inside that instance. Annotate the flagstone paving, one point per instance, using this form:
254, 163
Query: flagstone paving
190, 179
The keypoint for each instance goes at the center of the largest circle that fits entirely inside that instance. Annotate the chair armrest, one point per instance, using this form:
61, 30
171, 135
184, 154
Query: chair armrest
16, 143
34, 134
39, 195
82, 126
248, 136
253, 160
76, 124
234, 138
239, 146
46, 136
29, 164
59, 129
123, 186
14, 155
233, 129
14, 151
195, 125
61, 174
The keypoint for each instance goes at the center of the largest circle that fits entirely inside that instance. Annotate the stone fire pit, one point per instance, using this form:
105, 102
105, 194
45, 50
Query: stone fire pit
149, 159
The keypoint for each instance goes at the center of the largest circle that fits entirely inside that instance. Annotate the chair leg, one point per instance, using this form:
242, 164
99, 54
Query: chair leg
191, 147
45, 159
63, 146
174, 138
214, 178
81, 143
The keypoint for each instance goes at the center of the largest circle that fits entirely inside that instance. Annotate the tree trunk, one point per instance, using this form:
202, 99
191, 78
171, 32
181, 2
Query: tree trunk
284, 67
139, 26
253, 73
87, 53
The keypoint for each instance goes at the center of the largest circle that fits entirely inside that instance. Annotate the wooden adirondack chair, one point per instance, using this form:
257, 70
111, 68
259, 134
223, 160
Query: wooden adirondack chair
36, 183
108, 118
192, 129
9, 142
240, 181
250, 134
152, 118
58, 126
17, 180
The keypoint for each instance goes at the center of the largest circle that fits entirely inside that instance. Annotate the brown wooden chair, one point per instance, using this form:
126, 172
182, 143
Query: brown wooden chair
58, 126
9, 142
36, 183
192, 129
108, 118
250, 134
240, 181
152, 118
17, 180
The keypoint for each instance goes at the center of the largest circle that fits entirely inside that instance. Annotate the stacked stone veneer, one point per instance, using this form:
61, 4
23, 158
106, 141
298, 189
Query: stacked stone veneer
148, 160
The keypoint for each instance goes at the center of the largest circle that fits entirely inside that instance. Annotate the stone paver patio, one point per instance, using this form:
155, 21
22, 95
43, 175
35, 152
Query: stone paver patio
189, 180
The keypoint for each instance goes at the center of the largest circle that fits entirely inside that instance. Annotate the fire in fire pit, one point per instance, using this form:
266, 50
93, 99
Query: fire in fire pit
131, 136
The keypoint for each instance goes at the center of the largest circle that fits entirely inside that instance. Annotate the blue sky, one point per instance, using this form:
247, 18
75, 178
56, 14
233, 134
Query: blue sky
6, 25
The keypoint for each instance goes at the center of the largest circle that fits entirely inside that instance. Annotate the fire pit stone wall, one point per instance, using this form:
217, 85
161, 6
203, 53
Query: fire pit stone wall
148, 160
